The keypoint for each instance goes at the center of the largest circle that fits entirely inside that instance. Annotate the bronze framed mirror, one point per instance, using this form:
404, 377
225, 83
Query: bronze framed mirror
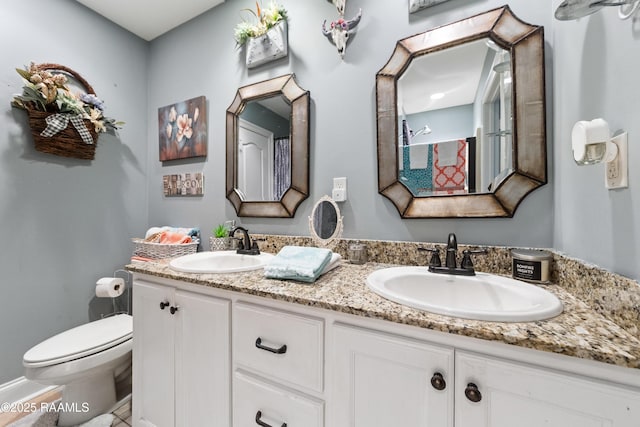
267, 148
461, 118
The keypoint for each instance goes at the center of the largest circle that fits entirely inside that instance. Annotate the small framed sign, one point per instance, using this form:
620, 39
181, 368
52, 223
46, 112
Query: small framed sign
185, 184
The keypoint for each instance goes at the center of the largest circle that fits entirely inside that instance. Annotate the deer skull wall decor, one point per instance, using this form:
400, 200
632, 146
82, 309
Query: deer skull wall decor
340, 5
340, 31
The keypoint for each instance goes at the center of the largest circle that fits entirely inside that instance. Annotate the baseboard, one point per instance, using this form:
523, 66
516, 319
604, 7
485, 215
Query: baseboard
21, 389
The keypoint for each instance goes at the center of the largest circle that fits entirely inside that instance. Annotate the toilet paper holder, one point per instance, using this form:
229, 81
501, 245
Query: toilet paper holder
115, 303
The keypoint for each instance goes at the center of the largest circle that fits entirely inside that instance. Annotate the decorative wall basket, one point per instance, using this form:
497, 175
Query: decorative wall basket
268, 47
67, 142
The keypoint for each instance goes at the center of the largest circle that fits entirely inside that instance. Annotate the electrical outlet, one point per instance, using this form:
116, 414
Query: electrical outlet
616, 171
339, 192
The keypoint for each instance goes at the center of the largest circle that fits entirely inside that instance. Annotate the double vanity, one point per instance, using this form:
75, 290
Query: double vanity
238, 349
386, 343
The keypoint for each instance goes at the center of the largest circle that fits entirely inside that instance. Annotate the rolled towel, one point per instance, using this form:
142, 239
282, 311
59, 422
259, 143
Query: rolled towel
298, 263
335, 261
189, 231
170, 237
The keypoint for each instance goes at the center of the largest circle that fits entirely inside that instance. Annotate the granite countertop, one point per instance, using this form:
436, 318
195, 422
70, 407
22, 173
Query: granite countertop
579, 331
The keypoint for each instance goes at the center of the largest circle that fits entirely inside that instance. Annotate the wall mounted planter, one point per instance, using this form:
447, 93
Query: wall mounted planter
268, 47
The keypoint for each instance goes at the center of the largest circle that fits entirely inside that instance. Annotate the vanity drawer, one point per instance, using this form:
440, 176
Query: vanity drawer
279, 345
256, 402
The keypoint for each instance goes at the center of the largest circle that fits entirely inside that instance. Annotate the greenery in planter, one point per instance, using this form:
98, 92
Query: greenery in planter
266, 19
221, 231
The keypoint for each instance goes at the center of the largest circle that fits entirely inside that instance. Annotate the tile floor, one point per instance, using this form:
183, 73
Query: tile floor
122, 415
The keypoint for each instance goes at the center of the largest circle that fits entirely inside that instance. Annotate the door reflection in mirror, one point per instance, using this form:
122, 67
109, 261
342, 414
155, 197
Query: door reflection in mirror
264, 150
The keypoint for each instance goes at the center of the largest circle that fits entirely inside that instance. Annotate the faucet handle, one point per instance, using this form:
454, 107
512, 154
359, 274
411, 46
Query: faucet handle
466, 257
435, 260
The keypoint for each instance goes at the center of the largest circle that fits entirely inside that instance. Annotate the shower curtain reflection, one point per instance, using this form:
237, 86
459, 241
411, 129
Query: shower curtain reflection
281, 167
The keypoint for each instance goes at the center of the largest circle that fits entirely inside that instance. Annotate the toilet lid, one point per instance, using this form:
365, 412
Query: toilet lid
81, 341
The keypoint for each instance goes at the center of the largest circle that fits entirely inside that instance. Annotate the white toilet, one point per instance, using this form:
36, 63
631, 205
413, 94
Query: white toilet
85, 360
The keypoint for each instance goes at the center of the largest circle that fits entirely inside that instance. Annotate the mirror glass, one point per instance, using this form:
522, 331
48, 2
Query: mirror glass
455, 120
461, 118
264, 151
325, 222
267, 148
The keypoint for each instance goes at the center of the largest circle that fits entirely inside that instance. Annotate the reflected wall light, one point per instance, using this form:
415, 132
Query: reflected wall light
575, 9
592, 143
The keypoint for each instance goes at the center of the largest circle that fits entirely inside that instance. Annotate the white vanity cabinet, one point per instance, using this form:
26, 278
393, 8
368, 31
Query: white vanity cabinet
181, 358
381, 379
230, 359
506, 394
278, 360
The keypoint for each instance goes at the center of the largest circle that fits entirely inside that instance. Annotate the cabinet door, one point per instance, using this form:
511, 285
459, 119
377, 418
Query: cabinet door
153, 356
378, 379
513, 394
202, 361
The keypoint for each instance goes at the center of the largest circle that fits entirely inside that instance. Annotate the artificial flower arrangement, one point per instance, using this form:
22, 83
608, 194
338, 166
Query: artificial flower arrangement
54, 110
266, 18
45, 91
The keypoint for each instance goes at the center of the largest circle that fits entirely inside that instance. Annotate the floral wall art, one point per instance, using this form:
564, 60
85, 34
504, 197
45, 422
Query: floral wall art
183, 129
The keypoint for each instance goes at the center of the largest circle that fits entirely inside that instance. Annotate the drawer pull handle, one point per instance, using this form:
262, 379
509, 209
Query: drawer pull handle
438, 382
472, 393
281, 350
262, 423
174, 309
164, 304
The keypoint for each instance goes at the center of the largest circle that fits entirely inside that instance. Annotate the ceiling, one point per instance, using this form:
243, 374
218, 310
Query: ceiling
454, 72
149, 19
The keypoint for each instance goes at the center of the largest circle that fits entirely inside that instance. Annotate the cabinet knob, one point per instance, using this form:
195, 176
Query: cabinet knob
262, 423
174, 309
472, 393
438, 382
164, 304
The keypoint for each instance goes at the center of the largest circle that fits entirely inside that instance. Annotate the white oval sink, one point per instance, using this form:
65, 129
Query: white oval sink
480, 297
219, 262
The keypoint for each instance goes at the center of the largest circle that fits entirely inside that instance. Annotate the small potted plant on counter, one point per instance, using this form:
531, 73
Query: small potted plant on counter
220, 240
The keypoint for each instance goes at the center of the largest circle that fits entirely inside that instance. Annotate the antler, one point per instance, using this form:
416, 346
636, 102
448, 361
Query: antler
324, 30
352, 23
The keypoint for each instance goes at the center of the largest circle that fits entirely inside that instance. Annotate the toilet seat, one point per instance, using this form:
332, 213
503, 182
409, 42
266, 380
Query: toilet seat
81, 341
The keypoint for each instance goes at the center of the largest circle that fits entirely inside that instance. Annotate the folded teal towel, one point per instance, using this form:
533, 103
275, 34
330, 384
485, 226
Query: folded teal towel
298, 263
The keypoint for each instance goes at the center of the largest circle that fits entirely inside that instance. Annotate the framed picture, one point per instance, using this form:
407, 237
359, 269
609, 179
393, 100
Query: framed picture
416, 5
184, 184
182, 129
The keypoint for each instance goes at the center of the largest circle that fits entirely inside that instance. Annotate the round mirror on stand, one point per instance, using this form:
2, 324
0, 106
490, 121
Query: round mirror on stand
325, 222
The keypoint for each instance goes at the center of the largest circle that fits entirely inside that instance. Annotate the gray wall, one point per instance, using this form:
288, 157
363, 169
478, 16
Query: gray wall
65, 223
343, 127
595, 72
445, 123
